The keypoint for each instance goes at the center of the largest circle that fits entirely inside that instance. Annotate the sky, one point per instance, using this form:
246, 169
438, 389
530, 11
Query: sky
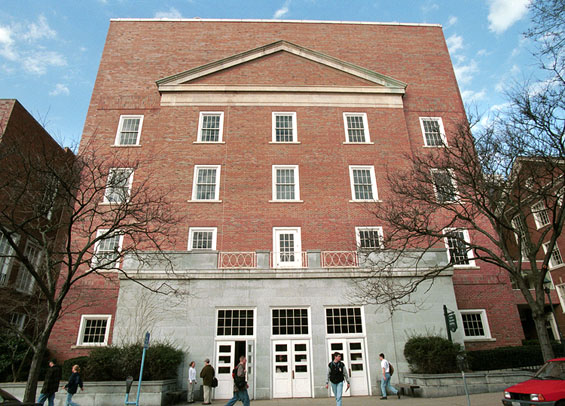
50, 50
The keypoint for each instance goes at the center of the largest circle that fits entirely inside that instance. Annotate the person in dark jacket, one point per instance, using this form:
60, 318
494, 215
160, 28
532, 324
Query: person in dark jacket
207, 374
72, 386
50, 384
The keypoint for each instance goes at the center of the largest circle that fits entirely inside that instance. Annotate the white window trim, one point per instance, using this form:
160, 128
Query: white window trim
555, 247
484, 320
191, 232
365, 128
129, 185
82, 327
373, 183
200, 122
235, 337
20, 322
296, 183
29, 288
467, 240
368, 228
335, 335
561, 295
297, 247
6, 270
536, 214
441, 131
96, 245
195, 179
294, 127
454, 183
291, 336
122, 118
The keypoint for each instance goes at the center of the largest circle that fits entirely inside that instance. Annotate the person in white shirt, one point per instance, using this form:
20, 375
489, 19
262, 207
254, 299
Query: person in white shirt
385, 382
191, 382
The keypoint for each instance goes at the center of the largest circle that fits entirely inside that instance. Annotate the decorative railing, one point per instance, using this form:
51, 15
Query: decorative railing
237, 260
296, 259
339, 259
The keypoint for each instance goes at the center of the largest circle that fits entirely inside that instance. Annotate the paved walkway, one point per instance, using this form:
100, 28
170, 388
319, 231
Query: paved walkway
482, 399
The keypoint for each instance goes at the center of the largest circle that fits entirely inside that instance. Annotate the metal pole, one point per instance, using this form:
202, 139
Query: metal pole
140, 376
466, 391
447, 322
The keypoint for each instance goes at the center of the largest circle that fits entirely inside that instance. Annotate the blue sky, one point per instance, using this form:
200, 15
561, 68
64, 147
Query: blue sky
50, 49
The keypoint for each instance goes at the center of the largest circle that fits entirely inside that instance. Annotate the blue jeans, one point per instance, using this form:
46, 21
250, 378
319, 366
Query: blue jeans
385, 384
50, 397
239, 395
69, 401
338, 389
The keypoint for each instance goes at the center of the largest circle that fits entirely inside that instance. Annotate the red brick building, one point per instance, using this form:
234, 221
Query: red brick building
274, 138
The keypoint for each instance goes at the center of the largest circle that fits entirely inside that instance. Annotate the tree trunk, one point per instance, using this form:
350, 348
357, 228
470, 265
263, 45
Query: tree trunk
543, 335
33, 376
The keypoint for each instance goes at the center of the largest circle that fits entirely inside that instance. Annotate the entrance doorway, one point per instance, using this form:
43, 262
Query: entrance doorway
227, 357
291, 369
353, 356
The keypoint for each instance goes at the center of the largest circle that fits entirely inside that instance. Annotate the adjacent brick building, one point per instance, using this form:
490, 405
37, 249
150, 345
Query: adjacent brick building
274, 139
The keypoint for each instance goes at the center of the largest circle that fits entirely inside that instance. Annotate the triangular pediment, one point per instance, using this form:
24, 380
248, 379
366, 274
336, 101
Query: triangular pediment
253, 64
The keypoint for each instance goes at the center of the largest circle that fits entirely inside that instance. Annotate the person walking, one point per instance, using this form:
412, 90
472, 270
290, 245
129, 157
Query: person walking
50, 384
207, 374
336, 374
240, 384
72, 386
385, 382
191, 382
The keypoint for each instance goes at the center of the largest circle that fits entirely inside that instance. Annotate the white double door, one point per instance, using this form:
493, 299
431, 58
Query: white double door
354, 358
292, 376
227, 357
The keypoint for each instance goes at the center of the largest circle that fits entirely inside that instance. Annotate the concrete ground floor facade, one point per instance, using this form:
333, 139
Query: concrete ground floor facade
286, 324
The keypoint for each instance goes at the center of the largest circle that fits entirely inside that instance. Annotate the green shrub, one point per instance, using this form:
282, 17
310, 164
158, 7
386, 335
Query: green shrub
431, 354
66, 369
117, 363
509, 357
15, 358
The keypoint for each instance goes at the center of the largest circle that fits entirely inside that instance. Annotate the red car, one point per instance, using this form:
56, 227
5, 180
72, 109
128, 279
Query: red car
547, 387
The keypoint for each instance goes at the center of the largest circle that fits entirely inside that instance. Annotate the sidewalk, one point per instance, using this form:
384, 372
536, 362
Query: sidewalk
482, 399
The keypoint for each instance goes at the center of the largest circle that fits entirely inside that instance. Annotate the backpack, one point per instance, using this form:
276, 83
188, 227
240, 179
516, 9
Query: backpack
238, 381
336, 372
390, 369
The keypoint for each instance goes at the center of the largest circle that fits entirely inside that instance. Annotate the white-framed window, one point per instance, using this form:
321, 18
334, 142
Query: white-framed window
555, 259
107, 250
369, 238
235, 322
94, 330
118, 186
475, 324
356, 128
445, 186
520, 235
25, 282
206, 183
6, 258
286, 185
18, 320
541, 216
290, 321
211, 126
287, 247
433, 132
457, 242
561, 294
363, 183
202, 238
284, 127
344, 320
129, 130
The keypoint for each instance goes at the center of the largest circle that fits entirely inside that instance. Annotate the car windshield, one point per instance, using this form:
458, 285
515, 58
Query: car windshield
552, 370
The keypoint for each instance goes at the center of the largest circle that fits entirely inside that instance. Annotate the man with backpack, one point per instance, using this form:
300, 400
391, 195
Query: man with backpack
239, 384
387, 373
337, 373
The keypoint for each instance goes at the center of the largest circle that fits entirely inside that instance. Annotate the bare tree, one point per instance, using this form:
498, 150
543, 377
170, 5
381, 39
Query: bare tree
494, 181
65, 218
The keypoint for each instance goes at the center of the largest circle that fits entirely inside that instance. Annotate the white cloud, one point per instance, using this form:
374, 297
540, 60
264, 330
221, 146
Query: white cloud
38, 62
281, 12
465, 73
429, 7
483, 52
60, 89
6, 44
504, 13
454, 43
470, 96
451, 22
172, 13
39, 30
